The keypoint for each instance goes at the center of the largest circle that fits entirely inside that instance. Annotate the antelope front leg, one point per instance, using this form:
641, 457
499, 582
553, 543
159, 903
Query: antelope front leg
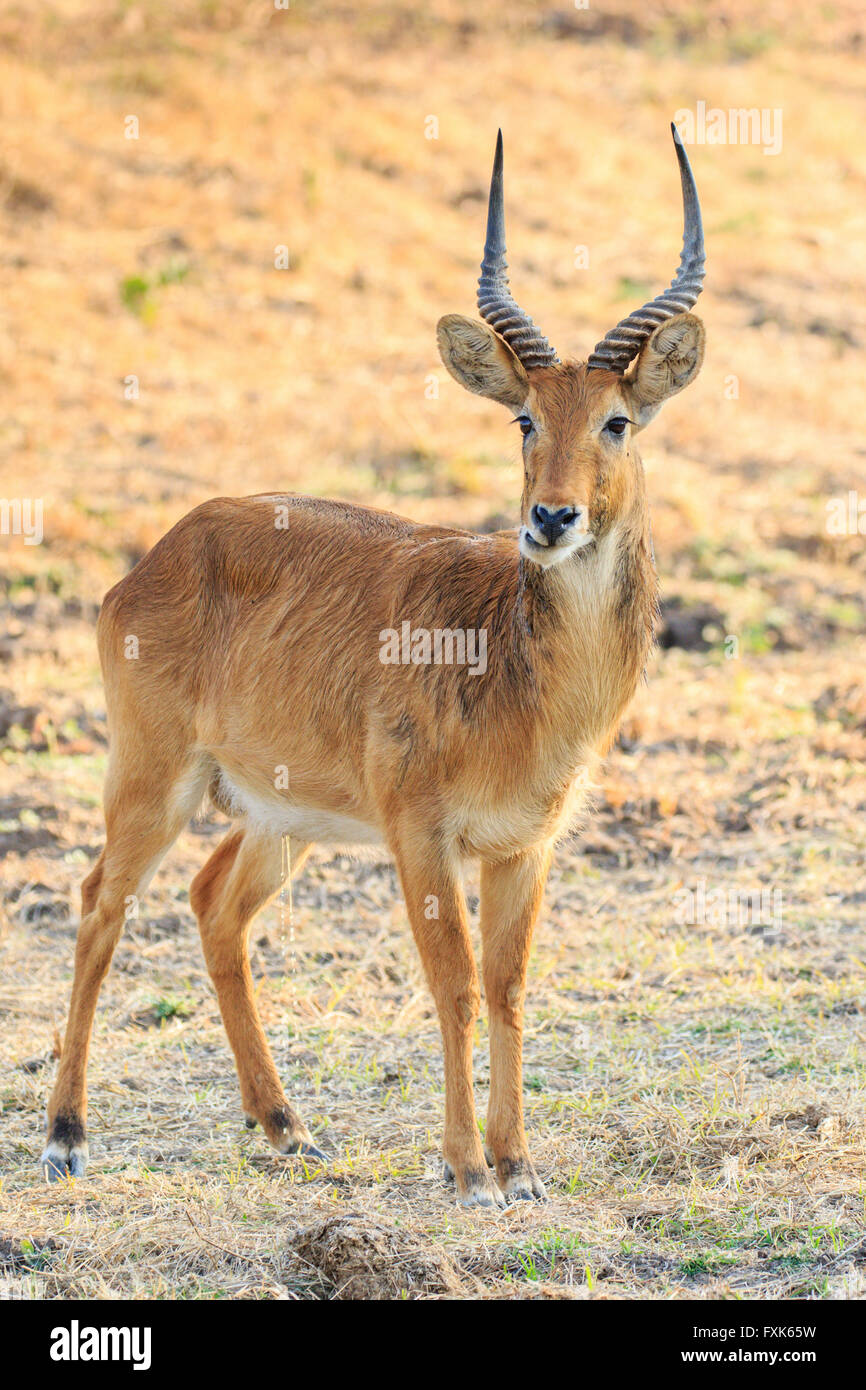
437, 913
511, 895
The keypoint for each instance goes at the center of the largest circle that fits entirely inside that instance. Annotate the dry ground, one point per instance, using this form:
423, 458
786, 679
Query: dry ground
694, 1092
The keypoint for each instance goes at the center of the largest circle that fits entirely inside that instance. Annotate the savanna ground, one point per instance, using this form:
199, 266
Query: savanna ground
694, 1092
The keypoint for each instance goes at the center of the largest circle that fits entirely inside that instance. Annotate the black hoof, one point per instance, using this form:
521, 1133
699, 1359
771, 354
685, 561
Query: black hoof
302, 1149
519, 1180
58, 1164
65, 1154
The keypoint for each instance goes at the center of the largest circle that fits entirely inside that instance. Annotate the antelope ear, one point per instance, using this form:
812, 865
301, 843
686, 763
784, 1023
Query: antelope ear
669, 359
481, 361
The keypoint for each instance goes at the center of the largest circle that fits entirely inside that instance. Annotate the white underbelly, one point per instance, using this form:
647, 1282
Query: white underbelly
278, 815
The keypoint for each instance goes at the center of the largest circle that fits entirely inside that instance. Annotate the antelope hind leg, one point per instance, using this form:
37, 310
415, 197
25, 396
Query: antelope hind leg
242, 874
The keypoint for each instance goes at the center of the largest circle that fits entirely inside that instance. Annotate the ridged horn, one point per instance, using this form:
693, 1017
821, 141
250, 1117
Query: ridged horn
495, 303
621, 344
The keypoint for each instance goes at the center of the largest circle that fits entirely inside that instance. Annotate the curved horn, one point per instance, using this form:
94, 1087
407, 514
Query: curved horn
495, 303
621, 344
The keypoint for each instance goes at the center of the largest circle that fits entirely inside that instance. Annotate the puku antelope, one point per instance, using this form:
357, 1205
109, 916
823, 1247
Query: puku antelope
260, 652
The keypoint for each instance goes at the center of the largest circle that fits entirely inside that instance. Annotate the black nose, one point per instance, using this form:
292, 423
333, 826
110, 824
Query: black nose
552, 524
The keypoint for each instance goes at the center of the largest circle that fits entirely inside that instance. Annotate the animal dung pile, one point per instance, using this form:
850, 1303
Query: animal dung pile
365, 1259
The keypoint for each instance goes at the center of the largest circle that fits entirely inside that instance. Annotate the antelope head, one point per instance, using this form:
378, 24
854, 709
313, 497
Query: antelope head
578, 419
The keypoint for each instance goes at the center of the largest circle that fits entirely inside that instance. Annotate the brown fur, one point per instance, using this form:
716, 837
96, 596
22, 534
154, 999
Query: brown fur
259, 649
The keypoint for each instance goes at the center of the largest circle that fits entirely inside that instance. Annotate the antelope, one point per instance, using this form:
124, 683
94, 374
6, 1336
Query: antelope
259, 677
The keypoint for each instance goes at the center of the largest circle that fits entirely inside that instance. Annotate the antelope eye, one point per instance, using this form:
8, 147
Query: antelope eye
616, 425
525, 425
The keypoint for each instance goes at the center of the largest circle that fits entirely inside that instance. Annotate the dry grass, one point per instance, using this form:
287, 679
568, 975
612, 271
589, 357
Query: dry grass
694, 1093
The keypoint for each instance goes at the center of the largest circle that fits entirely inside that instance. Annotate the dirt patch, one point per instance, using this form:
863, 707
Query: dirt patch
26, 1256
694, 627
364, 1259
37, 902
